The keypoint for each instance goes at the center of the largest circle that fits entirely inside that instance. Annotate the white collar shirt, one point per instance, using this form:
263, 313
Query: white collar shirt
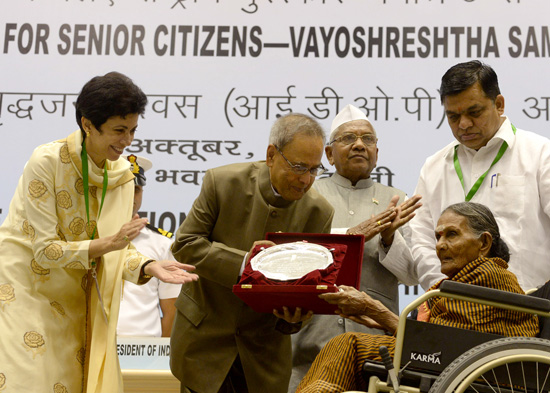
516, 189
140, 312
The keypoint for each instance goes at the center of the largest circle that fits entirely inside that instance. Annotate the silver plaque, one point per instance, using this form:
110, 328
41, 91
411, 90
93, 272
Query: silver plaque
291, 261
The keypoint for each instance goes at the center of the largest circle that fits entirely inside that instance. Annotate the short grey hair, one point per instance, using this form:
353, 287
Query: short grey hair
287, 127
480, 219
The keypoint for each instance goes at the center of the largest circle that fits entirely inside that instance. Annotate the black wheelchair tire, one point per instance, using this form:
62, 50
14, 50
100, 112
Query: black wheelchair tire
475, 362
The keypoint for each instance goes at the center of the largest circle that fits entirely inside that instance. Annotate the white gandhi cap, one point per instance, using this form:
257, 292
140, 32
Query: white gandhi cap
349, 113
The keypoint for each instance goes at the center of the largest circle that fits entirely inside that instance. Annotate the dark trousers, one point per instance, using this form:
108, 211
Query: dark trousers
234, 382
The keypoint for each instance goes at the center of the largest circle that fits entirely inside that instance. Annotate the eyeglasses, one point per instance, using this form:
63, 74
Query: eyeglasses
301, 169
349, 139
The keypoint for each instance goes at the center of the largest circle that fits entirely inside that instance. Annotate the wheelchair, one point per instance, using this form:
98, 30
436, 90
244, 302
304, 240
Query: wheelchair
440, 359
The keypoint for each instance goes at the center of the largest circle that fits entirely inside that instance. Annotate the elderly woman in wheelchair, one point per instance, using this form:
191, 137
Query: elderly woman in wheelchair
472, 252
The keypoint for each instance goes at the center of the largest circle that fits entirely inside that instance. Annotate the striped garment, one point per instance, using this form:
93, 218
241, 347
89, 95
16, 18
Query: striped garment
339, 366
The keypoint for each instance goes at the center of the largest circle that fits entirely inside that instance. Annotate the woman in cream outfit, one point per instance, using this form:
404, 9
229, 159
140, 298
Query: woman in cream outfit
63, 256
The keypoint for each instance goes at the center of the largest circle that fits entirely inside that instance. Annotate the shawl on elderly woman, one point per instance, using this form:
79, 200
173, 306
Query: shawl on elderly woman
339, 365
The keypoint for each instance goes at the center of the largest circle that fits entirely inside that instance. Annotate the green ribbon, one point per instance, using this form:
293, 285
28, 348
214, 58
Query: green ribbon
84, 156
477, 184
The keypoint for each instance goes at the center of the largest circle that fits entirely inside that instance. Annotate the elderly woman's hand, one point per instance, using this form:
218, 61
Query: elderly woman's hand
361, 308
364, 320
349, 300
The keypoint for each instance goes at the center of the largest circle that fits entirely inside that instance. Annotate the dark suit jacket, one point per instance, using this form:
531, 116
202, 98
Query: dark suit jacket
236, 207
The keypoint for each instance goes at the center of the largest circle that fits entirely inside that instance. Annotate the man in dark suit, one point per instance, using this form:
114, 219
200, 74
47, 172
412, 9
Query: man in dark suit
219, 344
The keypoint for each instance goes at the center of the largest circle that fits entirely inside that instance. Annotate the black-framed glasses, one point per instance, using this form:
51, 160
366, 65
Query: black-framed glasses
349, 139
300, 169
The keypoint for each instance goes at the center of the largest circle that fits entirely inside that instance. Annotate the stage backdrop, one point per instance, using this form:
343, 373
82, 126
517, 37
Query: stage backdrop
219, 72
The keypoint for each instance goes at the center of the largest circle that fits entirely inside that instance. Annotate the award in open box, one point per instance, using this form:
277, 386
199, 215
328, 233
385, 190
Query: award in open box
298, 269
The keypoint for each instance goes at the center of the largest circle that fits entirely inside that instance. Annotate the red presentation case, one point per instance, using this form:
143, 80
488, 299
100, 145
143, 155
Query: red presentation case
265, 298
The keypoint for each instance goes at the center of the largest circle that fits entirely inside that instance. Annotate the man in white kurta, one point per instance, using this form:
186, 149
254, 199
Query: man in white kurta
355, 198
516, 188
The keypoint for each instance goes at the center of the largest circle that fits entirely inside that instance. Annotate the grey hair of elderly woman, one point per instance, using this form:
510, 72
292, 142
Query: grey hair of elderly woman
480, 219
287, 127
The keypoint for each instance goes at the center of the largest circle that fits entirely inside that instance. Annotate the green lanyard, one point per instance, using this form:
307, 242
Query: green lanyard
84, 156
477, 184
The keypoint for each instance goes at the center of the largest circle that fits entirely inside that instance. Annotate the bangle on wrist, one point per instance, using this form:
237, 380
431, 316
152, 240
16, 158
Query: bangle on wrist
142, 273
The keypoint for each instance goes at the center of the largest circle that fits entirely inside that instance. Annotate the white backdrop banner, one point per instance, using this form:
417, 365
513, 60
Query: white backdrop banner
219, 72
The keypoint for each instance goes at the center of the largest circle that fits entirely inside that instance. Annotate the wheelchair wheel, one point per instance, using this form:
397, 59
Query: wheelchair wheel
505, 365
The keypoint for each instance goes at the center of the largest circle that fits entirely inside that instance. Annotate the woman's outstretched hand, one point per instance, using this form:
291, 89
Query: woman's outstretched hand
171, 272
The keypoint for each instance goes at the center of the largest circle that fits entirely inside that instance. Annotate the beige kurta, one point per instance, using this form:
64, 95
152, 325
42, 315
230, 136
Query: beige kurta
43, 275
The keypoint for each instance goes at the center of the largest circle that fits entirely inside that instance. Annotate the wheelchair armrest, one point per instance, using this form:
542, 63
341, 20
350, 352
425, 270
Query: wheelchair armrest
495, 295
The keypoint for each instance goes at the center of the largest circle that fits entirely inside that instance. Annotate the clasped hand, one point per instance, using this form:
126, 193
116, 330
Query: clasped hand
389, 220
293, 318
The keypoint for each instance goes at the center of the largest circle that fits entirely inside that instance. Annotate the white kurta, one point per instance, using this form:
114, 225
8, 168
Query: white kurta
516, 189
43, 275
139, 309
